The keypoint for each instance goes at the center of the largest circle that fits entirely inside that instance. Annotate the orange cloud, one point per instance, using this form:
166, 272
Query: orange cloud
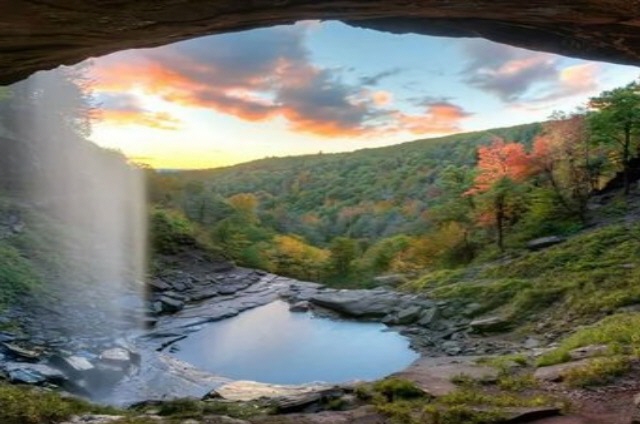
157, 120
382, 98
580, 78
439, 118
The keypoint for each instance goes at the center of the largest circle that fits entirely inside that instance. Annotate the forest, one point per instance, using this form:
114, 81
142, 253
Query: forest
346, 219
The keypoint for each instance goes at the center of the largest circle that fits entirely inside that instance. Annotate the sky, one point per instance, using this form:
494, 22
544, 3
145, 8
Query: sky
324, 87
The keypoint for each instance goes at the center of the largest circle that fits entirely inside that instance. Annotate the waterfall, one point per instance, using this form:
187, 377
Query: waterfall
87, 203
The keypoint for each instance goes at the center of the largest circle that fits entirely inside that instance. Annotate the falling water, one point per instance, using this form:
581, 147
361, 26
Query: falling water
88, 202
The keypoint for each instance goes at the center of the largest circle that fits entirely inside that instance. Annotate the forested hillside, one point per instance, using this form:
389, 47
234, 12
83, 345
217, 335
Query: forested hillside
348, 217
309, 203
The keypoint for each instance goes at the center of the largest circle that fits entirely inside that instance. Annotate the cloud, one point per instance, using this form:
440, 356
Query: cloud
125, 109
381, 97
373, 80
438, 118
256, 75
517, 75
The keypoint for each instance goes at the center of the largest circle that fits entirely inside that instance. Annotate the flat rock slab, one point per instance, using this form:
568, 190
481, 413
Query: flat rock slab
162, 377
526, 415
251, 390
434, 375
556, 373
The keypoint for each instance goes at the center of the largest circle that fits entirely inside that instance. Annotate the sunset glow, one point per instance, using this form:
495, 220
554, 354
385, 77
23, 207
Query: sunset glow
311, 87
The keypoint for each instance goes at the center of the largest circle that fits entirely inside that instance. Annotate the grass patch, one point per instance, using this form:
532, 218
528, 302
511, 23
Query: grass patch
23, 405
460, 414
403, 403
578, 281
471, 397
598, 371
389, 390
505, 363
619, 332
517, 383
194, 408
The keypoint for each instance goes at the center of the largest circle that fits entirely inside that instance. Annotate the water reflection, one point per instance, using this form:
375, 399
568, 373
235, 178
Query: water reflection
272, 345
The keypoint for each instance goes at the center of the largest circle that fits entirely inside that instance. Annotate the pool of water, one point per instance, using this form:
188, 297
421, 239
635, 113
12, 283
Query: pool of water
269, 344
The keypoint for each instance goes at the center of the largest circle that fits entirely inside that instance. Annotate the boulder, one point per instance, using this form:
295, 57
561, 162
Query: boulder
170, 305
302, 306
490, 325
556, 373
531, 343
76, 366
409, 315
303, 401
23, 352
359, 303
451, 347
589, 351
117, 356
544, 242
427, 317
518, 415
204, 294
434, 375
158, 285
19, 372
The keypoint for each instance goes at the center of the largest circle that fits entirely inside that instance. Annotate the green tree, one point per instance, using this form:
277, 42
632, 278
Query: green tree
344, 251
615, 122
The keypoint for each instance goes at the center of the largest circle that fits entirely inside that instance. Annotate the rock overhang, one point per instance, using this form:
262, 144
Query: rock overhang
38, 35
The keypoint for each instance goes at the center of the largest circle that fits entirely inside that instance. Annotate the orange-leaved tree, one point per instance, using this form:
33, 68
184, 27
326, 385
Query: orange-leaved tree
564, 158
501, 167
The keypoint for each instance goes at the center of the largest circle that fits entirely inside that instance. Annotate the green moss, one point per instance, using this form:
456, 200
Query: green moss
17, 274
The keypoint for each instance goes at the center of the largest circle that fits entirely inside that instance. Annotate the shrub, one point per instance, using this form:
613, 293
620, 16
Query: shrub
397, 388
170, 231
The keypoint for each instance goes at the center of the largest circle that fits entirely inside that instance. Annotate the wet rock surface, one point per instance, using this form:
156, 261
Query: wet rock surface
125, 368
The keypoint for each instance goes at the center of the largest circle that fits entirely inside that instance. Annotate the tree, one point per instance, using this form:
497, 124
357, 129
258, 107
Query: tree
615, 122
501, 166
246, 205
562, 156
454, 207
292, 256
344, 251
